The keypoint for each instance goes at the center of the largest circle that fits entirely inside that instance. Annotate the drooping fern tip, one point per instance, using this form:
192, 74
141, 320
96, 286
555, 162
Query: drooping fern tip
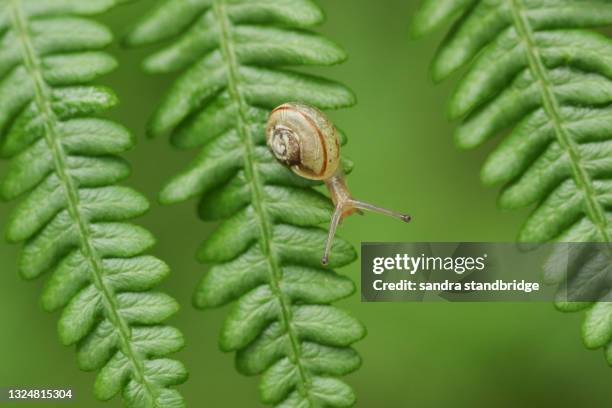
533, 71
73, 216
233, 58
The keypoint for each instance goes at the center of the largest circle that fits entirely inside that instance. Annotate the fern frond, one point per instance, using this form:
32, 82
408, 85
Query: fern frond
266, 252
73, 217
533, 69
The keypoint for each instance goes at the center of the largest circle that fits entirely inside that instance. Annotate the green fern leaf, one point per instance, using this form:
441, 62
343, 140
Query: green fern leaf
532, 68
266, 251
72, 217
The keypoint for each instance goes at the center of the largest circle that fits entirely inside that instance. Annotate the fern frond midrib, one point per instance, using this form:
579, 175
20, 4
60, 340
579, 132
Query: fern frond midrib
252, 175
42, 100
594, 209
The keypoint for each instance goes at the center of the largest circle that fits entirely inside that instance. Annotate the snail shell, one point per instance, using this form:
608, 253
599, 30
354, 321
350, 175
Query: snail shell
302, 138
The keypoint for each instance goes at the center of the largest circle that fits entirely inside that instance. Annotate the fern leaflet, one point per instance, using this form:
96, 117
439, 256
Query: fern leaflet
266, 252
533, 66
73, 217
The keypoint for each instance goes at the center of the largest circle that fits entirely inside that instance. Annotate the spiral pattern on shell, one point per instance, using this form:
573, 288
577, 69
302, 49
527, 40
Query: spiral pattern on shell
285, 146
302, 138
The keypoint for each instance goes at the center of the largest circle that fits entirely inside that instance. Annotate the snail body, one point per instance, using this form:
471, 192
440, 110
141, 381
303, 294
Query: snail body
305, 140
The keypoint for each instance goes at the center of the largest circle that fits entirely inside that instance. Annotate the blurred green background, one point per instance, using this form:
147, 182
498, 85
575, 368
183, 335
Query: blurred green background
415, 355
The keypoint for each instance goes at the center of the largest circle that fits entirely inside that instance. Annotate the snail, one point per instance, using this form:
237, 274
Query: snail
304, 139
